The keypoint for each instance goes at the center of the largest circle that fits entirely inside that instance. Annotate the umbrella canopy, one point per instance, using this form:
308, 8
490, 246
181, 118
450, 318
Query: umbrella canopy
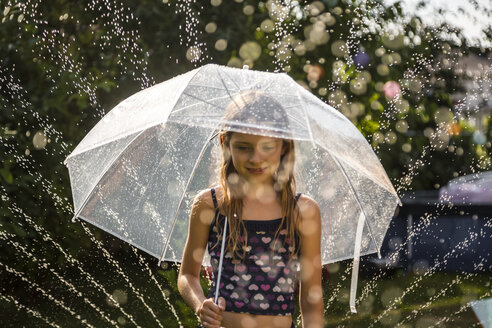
483, 311
137, 171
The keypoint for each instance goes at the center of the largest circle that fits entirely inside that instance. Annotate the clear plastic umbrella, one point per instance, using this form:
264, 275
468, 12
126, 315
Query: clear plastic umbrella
483, 311
137, 171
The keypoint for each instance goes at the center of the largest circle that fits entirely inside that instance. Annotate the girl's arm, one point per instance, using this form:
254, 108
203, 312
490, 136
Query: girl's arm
310, 294
202, 213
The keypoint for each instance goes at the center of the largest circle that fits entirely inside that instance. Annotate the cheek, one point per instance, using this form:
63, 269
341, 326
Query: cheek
276, 156
237, 159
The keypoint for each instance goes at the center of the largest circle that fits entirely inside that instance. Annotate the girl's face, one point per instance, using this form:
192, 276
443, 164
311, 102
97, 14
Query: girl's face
256, 158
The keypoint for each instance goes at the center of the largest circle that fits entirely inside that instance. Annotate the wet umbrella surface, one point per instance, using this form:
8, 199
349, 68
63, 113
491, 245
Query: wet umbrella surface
136, 172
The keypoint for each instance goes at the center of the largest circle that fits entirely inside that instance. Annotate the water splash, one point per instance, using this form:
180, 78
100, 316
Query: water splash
76, 263
43, 264
432, 270
120, 271
53, 45
46, 294
32, 312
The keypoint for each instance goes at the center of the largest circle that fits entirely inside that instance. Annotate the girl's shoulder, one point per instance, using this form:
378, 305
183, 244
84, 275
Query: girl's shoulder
203, 208
310, 222
205, 198
308, 207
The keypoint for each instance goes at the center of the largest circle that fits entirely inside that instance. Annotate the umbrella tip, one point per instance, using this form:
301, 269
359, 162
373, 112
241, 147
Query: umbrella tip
245, 66
74, 219
352, 309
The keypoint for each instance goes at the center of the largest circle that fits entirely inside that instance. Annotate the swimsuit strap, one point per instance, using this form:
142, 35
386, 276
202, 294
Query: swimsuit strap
297, 196
216, 206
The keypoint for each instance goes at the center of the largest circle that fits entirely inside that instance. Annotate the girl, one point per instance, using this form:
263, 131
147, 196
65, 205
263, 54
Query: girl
271, 231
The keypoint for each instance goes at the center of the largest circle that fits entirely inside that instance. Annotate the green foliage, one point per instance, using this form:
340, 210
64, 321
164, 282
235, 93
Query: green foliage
64, 64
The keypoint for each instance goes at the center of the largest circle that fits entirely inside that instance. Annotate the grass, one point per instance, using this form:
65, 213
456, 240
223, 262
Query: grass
389, 298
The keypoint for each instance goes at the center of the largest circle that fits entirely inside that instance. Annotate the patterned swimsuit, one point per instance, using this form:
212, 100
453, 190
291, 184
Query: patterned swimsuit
262, 283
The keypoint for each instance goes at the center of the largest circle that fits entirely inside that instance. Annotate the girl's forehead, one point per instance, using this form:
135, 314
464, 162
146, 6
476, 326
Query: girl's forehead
251, 138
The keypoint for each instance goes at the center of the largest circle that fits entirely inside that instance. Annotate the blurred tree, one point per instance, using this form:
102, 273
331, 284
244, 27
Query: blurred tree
389, 74
64, 64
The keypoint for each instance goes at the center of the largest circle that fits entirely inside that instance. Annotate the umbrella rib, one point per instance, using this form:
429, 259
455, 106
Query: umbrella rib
116, 234
358, 202
307, 121
216, 88
369, 177
358, 240
230, 96
208, 115
227, 90
223, 83
214, 105
202, 152
102, 175
174, 102
204, 86
210, 118
205, 101
268, 86
156, 168
295, 119
208, 101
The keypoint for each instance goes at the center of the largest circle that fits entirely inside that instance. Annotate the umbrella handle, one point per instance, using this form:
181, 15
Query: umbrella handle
220, 262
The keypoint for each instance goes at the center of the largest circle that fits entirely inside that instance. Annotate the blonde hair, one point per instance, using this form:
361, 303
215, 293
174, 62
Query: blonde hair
243, 107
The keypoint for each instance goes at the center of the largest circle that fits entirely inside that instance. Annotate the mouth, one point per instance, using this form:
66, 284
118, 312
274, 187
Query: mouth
256, 171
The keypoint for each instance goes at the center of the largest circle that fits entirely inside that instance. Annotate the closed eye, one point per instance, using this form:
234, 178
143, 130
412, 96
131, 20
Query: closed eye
243, 148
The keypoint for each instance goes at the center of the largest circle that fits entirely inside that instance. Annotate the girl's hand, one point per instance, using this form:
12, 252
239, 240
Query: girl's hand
210, 313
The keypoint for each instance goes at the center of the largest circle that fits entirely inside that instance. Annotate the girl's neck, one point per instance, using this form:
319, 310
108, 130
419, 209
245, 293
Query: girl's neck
263, 193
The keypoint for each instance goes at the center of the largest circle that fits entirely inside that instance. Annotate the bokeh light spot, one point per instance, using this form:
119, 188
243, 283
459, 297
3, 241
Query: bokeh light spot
339, 48
210, 27
221, 45
392, 89
250, 50
248, 10
39, 140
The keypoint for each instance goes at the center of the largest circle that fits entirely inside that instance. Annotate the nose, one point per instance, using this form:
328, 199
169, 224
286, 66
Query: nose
256, 156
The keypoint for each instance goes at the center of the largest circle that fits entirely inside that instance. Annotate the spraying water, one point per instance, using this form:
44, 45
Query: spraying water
419, 92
